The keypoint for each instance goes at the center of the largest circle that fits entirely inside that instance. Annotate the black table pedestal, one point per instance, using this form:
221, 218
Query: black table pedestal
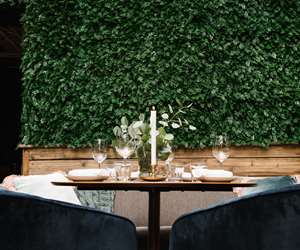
154, 220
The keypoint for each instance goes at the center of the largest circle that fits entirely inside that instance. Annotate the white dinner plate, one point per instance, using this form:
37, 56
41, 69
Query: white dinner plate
217, 178
88, 174
87, 178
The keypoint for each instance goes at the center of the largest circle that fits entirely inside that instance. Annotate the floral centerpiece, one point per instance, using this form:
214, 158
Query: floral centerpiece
139, 132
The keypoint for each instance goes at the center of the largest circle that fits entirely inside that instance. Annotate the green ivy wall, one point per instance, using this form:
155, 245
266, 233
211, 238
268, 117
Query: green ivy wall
87, 63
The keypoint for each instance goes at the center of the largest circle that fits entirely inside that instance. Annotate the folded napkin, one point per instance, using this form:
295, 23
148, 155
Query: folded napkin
88, 172
186, 176
199, 172
135, 174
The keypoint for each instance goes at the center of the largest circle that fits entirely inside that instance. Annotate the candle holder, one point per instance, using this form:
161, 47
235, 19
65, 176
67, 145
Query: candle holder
153, 167
153, 176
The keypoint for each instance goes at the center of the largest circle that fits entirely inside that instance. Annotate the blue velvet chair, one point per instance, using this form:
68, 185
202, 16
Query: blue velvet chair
31, 223
268, 220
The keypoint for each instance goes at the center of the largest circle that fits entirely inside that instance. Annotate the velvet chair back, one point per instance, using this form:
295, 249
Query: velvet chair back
32, 223
264, 221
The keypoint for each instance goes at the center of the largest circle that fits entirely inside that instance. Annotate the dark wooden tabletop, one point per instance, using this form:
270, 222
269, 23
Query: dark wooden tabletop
155, 185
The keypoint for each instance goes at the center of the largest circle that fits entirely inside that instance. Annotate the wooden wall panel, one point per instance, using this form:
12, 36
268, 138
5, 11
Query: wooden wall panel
246, 161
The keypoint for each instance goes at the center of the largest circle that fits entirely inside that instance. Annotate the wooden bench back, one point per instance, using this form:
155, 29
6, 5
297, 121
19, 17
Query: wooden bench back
244, 161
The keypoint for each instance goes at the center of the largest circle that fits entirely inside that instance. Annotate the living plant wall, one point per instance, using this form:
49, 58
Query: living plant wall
87, 63
12, 3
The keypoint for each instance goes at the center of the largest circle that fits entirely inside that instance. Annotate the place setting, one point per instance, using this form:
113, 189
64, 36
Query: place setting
153, 167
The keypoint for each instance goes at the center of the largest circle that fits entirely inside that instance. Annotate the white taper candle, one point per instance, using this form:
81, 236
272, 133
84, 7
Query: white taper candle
153, 135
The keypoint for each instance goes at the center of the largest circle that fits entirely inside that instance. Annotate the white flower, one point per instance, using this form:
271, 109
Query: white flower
191, 127
165, 116
175, 125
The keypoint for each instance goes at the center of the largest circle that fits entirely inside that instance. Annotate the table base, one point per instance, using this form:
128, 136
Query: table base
154, 220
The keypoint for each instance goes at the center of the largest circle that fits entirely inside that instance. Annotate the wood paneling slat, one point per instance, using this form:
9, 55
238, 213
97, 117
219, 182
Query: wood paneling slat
65, 153
289, 151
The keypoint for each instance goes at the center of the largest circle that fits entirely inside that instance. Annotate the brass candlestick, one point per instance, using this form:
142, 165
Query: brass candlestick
153, 176
153, 167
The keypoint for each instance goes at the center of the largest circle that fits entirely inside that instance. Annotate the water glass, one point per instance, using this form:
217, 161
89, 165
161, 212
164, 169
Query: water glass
123, 172
175, 172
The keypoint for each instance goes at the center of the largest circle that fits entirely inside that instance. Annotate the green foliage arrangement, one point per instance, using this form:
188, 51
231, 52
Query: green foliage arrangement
139, 130
139, 133
87, 63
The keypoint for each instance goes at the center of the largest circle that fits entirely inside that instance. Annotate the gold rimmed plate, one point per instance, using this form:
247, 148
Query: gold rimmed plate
218, 178
153, 178
87, 178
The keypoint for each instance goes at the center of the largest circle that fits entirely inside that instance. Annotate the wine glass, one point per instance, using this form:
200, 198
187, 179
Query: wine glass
99, 151
220, 149
125, 147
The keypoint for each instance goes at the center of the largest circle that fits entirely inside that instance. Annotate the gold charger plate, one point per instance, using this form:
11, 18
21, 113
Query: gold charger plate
153, 178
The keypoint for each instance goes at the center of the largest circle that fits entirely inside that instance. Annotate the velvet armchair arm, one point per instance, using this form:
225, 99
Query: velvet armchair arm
33, 223
264, 221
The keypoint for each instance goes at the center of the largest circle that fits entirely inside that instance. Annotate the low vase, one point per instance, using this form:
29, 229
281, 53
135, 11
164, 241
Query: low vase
144, 160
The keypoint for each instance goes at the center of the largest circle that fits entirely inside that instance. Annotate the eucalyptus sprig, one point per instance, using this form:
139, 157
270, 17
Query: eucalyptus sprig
140, 130
173, 119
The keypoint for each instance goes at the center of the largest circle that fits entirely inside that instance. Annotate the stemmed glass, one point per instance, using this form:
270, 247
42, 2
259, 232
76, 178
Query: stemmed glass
220, 149
167, 150
125, 147
99, 151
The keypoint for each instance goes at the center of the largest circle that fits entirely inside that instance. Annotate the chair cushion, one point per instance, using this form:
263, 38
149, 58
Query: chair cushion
99, 199
40, 185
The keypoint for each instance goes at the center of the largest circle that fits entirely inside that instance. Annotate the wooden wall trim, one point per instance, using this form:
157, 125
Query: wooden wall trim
25, 162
